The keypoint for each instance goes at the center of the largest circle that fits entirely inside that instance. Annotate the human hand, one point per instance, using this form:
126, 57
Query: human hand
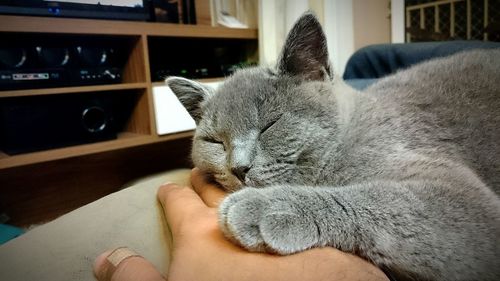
200, 252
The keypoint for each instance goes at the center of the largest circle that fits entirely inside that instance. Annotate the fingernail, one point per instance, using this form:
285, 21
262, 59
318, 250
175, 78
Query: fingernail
169, 184
99, 262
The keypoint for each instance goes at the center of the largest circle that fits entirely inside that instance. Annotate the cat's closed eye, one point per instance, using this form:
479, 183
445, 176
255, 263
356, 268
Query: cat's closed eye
213, 141
269, 125
210, 140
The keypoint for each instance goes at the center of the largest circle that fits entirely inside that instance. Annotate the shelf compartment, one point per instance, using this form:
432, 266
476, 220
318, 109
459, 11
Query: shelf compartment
67, 60
198, 58
33, 123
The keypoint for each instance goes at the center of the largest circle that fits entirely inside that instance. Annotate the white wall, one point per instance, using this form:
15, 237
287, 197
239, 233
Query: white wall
271, 33
372, 24
276, 18
339, 30
397, 21
353, 24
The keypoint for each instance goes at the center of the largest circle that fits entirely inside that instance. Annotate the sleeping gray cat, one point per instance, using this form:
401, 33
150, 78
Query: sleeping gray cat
405, 174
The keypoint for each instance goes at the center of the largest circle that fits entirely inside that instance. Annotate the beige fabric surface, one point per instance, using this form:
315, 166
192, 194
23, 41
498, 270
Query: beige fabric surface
65, 248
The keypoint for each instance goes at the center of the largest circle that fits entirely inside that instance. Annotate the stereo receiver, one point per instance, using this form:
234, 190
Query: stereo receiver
41, 63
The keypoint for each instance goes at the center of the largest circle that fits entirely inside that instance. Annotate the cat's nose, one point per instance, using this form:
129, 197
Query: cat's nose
240, 172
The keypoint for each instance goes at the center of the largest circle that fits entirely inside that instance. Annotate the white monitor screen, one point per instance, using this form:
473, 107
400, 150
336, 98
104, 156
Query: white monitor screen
119, 3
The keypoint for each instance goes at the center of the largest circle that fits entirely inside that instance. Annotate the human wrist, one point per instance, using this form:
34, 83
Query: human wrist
319, 264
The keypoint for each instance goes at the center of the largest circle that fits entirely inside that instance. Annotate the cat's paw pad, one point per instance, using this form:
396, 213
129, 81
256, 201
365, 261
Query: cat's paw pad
259, 221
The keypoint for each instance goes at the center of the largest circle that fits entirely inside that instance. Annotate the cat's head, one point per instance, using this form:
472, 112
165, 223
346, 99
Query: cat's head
264, 126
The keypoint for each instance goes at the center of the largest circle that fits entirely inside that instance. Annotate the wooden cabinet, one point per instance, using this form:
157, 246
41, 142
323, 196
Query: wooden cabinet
35, 186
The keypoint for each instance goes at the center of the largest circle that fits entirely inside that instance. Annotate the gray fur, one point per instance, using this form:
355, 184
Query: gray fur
405, 173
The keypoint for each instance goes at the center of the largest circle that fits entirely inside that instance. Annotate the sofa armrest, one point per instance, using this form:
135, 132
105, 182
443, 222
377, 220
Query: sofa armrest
377, 61
65, 248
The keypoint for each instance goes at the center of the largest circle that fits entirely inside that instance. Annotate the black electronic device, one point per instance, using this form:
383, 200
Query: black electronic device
105, 9
36, 123
165, 11
36, 62
188, 12
196, 58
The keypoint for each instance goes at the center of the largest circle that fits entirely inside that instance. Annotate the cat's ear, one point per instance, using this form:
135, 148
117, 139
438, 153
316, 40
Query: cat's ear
305, 52
190, 93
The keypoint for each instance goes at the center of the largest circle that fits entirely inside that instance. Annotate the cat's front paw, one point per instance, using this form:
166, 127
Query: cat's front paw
268, 220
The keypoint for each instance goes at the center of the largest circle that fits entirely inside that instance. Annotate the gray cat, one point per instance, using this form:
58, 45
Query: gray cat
405, 174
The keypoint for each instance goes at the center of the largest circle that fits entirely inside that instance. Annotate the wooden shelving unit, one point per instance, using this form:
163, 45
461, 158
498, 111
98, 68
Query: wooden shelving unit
69, 90
136, 75
106, 27
124, 140
139, 133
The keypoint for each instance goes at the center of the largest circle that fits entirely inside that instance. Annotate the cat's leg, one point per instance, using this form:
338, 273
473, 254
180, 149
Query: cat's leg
428, 229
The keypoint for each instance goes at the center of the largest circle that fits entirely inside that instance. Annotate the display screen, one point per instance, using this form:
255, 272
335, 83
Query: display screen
119, 3
107, 9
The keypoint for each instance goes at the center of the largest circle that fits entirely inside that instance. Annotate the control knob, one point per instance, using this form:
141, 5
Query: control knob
13, 57
91, 56
53, 57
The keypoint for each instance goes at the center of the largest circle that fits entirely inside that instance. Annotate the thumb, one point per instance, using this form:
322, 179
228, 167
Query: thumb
211, 194
180, 205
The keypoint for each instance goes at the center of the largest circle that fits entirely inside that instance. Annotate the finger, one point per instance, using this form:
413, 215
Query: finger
124, 265
179, 203
210, 193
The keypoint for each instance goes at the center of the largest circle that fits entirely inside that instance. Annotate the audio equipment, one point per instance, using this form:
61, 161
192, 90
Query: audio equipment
196, 58
39, 63
35, 123
110, 9
165, 11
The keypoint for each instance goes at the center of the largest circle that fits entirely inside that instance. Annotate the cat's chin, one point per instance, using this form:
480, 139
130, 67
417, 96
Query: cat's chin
228, 183
251, 182
237, 184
